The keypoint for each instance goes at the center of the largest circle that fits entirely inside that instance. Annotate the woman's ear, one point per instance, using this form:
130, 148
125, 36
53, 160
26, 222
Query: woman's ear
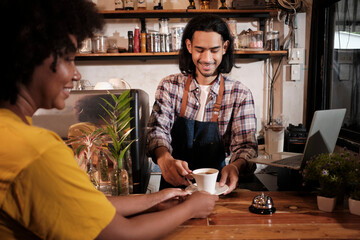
188, 45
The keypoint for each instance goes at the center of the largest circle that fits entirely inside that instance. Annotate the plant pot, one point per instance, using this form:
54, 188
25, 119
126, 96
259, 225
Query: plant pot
354, 206
326, 204
120, 179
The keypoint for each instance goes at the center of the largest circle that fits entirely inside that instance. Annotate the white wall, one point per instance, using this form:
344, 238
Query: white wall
146, 75
292, 97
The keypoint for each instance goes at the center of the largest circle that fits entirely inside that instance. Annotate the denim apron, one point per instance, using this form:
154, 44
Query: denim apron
197, 143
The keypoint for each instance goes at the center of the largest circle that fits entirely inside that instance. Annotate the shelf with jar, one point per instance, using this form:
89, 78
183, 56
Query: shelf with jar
156, 44
187, 13
245, 53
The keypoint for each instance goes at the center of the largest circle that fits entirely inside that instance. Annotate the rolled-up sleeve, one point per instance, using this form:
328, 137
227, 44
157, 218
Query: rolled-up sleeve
243, 135
163, 115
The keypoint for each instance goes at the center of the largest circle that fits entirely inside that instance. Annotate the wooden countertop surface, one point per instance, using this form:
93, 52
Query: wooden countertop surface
296, 217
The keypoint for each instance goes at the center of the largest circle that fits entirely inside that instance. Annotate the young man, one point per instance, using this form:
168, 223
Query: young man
44, 194
200, 116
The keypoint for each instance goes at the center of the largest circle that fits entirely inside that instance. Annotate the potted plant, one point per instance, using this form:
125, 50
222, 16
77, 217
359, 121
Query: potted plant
329, 173
354, 185
87, 144
117, 128
108, 140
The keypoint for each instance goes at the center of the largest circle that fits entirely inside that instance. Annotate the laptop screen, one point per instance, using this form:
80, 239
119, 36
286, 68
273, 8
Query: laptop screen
324, 131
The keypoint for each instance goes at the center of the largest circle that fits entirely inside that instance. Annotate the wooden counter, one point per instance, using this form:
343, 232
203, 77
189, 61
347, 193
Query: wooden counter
296, 217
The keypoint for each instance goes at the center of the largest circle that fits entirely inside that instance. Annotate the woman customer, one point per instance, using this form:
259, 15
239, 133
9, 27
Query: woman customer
43, 193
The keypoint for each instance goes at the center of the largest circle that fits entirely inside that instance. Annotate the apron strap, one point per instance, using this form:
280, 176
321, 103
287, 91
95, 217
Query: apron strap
218, 99
185, 96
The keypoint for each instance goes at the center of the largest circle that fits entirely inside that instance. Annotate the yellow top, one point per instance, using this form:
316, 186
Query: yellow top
43, 193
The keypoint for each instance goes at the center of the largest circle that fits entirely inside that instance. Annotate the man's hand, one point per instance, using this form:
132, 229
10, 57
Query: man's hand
229, 176
173, 170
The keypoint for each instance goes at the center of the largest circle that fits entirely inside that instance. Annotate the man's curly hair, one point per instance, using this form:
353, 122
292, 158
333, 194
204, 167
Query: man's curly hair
36, 30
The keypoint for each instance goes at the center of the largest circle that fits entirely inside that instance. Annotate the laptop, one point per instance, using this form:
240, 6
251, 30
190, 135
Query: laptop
322, 137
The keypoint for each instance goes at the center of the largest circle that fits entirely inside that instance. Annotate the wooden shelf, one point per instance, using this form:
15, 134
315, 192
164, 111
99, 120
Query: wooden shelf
187, 13
169, 55
261, 14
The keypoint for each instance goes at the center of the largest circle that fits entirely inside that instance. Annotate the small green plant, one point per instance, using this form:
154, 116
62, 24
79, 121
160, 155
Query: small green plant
118, 125
111, 139
118, 129
330, 171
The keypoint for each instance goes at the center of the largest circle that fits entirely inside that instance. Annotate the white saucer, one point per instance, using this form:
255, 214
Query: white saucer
218, 190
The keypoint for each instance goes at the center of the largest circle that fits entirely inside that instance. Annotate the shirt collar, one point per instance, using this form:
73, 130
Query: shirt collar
214, 88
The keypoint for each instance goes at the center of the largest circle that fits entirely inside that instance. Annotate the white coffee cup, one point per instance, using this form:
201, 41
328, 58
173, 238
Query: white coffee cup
206, 179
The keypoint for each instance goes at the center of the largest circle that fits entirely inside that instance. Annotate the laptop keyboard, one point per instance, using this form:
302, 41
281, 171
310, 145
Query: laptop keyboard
290, 161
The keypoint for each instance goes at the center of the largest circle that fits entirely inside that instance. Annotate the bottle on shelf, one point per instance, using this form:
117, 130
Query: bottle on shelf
157, 5
119, 5
137, 40
141, 4
131, 41
143, 37
129, 4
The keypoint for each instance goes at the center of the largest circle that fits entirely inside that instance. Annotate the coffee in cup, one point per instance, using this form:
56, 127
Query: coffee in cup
206, 179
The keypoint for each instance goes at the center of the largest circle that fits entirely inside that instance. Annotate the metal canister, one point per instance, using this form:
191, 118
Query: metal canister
272, 41
149, 42
156, 42
162, 42
168, 47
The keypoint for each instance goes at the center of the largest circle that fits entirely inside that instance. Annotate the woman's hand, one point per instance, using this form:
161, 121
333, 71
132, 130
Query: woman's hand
202, 203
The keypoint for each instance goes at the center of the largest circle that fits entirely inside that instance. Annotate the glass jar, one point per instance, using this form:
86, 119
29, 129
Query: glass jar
244, 40
112, 45
163, 25
176, 35
232, 27
256, 39
99, 43
237, 45
86, 46
272, 41
104, 175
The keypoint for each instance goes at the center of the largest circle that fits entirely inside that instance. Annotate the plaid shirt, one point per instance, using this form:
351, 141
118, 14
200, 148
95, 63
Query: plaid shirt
237, 120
